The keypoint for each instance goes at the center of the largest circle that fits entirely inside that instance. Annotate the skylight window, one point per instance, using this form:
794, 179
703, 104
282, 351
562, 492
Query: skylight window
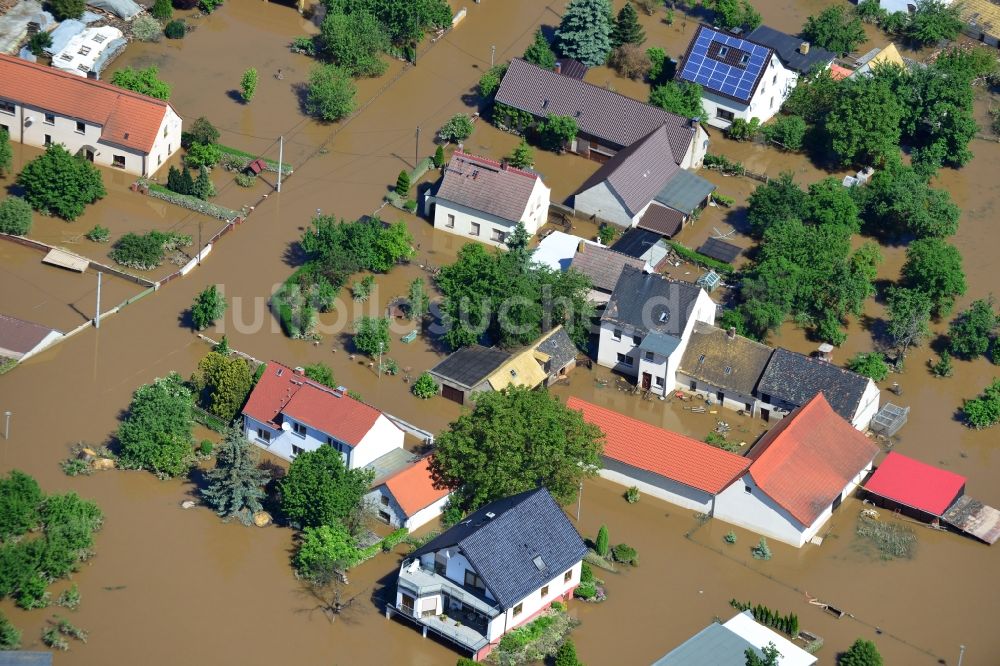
513, 373
744, 59
728, 370
664, 316
99, 39
723, 51
84, 50
539, 562
67, 57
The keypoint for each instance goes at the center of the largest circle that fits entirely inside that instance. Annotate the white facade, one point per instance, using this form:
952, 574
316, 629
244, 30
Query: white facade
772, 409
907, 6
485, 227
384, 505
695, 155
618, 348
731, 399
82, 50
660, 487
773, 88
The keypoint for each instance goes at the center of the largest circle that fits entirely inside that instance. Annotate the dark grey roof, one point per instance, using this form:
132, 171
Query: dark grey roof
503, 549
618, 120
488, 186
636, 242
560, 349
796, 378
602, 265
574, 69
470, 365
651, 302
787, 48
715, 645
735, 363
721, 250
685, 191
22, 658
661, 220
660, 343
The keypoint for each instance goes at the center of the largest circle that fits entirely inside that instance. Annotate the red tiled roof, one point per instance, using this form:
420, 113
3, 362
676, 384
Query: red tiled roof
807, 460
916, 484
281, 391
414, 488
485, 185
669, 454
126, 118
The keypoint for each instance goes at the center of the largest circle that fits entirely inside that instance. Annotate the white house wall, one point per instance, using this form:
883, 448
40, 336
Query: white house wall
427, 514
608, 348
902, 5
695, 155
168, 141
603, 203
757, 512
774, 87
374, 503
533, 603
382, 438
867, 407
657, 486
535, 215
731, 399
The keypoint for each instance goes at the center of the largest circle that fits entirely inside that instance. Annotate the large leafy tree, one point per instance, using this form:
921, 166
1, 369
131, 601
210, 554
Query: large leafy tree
777, 200
863, 124
57, 183
156, 433
556, 132
223, 384
835, 29
235, 487
403, 20
869, 364
66, 9
935, 268
322, 373
861, 653
584, 32
371, 335
515, 440
626, 29
680, 97
983, 411
320, 490
143, 81
829, 202
355, 42
969, 333
909, 316
349, 246
540, 52
330, 93
813, 97
934, 21
898, 201
732, 14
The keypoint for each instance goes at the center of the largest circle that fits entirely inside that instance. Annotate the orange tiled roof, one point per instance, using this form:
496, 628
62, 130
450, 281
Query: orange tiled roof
807, 460
838, 73
669, 454
126, 118
414, 488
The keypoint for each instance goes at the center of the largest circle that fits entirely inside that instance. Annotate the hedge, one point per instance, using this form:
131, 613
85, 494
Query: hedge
239, 165
701, 259
192, 203
395, 539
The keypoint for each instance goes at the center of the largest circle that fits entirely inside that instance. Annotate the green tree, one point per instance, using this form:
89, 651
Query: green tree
898, 201
322, 373
330, 94
39, 41
540, 52
659, 69
566, 655
372, 336
320, 490
602, 544
248, 84
909, 318
732, 14
156, 433
813, 97
515, 440
984, 410
403, 20
203, 187
223, 384
490, 81
861, 653
934, 21
771, 656
869, 364
235, 487
202, 155
680, 97
162, 9
6, 154
15, 216
626, 29
458, 128
863, 124
209, 306
355, 42
202, 131
777, 200
935, 268
403, 183
20, 497
66, 9
522, 157
438, 157
835, 29
829, 202
425, 387
969, 333
556, 132
10, 637
787, 132
57, 183
943, 367
631, 62
323, 547
418, 299
175, 29
143, 81
584, 32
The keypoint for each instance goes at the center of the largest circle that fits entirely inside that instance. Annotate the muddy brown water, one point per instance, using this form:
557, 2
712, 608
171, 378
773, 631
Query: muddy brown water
170, 586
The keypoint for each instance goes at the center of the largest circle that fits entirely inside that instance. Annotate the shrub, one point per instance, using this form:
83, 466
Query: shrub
203, 187
202, 131
66, 9
761, 551
556, 132
162, 9
52, 639
10, 637
208, 307
403, 183
146, 29
70, 598
39, 41
625, 554
730, 537
586, 573
585, 591
304, 45
870, 364
632, 495
205, 448
425, 387
330, 95
943, 367
490, 81
606, 233
984, 411
74, 467
244, 179
394, 539
558, 606
741, 130
15, 216
372, 336
723, 200
361, 290
438, 158
248, 84
457, 129
99, 234
566, 655
601, 545
323, 547
861, 653
892, 539
176, 29
146, 252
209, 6
631, 61
58, 183
143, 81
202, 155
787, 132
6, 154
410, 206
32, 594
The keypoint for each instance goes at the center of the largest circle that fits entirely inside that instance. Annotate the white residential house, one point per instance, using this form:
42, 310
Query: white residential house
287, 413
109, 126
483, 200
408, 497
726, 645
801, 471
748, 77
646, 326
496, 570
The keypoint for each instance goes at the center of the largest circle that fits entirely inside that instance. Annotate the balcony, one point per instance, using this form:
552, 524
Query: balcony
423, 583
445, 626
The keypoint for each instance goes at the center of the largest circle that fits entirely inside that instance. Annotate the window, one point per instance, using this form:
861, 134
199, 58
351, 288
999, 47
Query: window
475, 229
772, 102
625, 359
649, 356
499, 236
659, 382
67, 57
83, 68
384, 517
385, 501
472, 580
545, 591
744, 59
264, 435
164, 132
99, 39
299, 429
296, 450
80, 127
6, 107
747, 489
517, 609
637, 340
723, 51
774, 81
48, 140
118, 161
84, 50
568, 576
616, 334
159, 160
451, 222
50, 119
330, 441
765, 397
723, 114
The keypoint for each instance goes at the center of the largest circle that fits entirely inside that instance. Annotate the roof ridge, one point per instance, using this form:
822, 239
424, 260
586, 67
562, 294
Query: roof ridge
499, 165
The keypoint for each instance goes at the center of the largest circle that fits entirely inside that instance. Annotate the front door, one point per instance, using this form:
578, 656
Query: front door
765, 414
720, 396
647, 380
90, 155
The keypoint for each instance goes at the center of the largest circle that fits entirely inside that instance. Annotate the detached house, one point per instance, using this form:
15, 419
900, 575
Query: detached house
801, 470
484, 200
491, 573
747, 77
726, 645
288, 413
108, 125
646, 326
408, 498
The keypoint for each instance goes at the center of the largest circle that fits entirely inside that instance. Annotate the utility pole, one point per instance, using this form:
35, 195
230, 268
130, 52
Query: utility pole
281, 157
380, 345
416, 149
579, 501
493, 55
200, 248
97, 312
961, 648
6, 427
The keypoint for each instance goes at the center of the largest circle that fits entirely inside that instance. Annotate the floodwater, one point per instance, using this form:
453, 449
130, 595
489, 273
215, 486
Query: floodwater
171, 586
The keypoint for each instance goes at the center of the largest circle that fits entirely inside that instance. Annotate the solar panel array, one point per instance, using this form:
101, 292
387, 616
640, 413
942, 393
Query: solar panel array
715, 75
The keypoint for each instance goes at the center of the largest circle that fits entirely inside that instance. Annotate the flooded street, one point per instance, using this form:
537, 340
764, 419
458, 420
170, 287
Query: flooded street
169, 586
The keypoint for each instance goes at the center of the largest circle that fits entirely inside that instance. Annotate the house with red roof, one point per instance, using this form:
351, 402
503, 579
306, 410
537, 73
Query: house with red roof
408, 498
110, 126
287, 413
482, 199
661, 463
800, 471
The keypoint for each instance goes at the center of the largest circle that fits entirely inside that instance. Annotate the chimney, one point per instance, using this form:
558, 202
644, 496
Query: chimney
804, 48
693, 122
300, 371
581, 246
503, 164
558, 68
731, 333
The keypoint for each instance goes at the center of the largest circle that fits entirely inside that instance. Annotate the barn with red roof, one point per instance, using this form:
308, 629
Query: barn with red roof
287, 413
914, 487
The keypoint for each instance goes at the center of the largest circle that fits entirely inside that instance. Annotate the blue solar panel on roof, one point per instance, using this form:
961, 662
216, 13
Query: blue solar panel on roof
715, 75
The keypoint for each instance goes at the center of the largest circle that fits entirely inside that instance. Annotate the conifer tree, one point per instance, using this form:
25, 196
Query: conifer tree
627, 29
236, 485
584, 33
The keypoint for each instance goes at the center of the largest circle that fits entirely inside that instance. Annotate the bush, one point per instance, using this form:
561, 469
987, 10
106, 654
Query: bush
209, 6
39, 41
586, 573
601, 545
304, 45
143, 81
625, 554
787, 132
632, 495
730, 537
66, 9
490, 81
248, 84
15, 216
58, 183
723, 200
330, 95
556, 132
425, 387
70, 598
761, 551
208, 307
943, 367
156, 434
871, 364
146, 29
741, 130
98, 234
202, 155
244, 179
10, 637
176, 29
205, 448
558, 606
631, 61
162, 9
522, 636
861, 653
146, 252
457, 129
438, 158
394, 539
403, 183
984, 411
324, 547
75, 467
585, 591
